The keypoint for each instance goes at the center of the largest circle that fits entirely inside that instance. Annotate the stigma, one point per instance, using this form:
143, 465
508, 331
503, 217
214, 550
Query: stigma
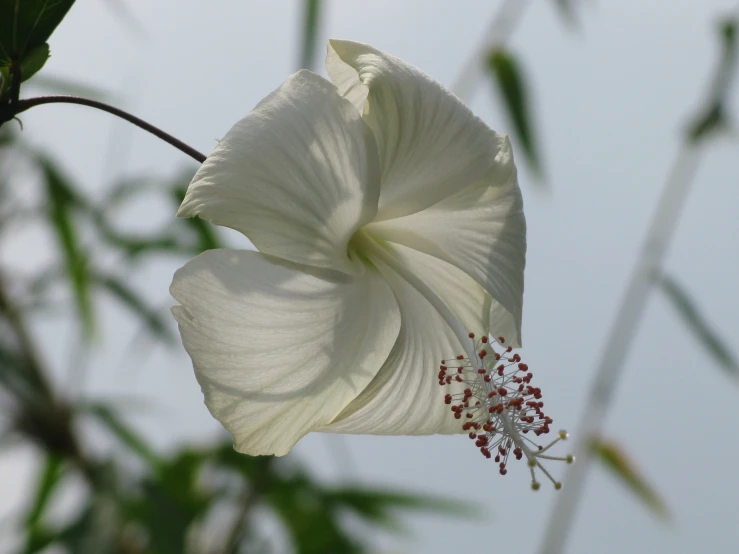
500, 408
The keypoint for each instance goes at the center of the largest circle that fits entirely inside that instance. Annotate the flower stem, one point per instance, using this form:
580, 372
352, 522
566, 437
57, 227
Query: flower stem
22, 105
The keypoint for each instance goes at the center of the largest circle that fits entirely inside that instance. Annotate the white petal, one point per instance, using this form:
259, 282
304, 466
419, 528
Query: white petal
431, 145
278, 351
405, 398
481, 230
298, 175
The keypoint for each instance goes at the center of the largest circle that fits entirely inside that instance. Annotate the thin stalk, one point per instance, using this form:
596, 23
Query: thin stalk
625, 327
28, 103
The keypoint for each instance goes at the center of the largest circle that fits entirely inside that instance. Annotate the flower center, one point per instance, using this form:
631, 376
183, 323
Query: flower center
499, 406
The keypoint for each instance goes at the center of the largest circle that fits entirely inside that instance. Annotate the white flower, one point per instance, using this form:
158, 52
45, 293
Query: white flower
389, 225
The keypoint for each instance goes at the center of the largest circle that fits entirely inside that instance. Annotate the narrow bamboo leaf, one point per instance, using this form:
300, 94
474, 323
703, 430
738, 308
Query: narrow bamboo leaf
514, 91
381, 507
49, 478
27, 24
204, 230
613, 457
61, 198
692, 316
713, 116
133, 301
311, 21
109, 419
567, 9
64, 85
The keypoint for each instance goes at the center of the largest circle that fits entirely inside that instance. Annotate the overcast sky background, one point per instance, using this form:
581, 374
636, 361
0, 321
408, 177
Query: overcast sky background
611, 98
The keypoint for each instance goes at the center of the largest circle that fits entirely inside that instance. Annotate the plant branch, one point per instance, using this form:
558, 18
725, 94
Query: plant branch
624, 329
14, 108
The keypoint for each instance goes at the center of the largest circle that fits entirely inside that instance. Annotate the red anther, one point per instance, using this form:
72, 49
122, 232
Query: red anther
443, 362
484, 340
460, 369
458, 378
460, 357
492, 409
457, 415
442, 367
483, 353
448, 399
497, 458
501, 340
541, 404
471, 335
448, 379
481, 371
509, 349
472, 435
523, 367
520, 388
516, 358
503, 471
441, 375
469, 415
502, 391
491, 394
488, 378
466, 426
497, 356
468, 392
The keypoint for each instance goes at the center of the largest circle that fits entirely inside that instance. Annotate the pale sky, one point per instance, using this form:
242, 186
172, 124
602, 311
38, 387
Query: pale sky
611, 97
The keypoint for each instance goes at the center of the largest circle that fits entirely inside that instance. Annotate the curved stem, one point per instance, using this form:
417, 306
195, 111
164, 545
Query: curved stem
28, 103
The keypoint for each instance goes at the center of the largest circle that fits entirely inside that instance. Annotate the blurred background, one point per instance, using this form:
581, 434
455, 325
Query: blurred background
107, 445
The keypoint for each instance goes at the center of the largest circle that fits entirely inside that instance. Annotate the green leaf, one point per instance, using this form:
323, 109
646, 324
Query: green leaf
567, 9
381, 507
49, 478
26, 25
62, 198
203, 229
109, 419
702, 330
64, 85
613, 457
131, 299
34, 61
310, 33
512, 85
713, 116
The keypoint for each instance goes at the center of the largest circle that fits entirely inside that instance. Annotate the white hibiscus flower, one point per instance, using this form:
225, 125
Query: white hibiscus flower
390, 230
